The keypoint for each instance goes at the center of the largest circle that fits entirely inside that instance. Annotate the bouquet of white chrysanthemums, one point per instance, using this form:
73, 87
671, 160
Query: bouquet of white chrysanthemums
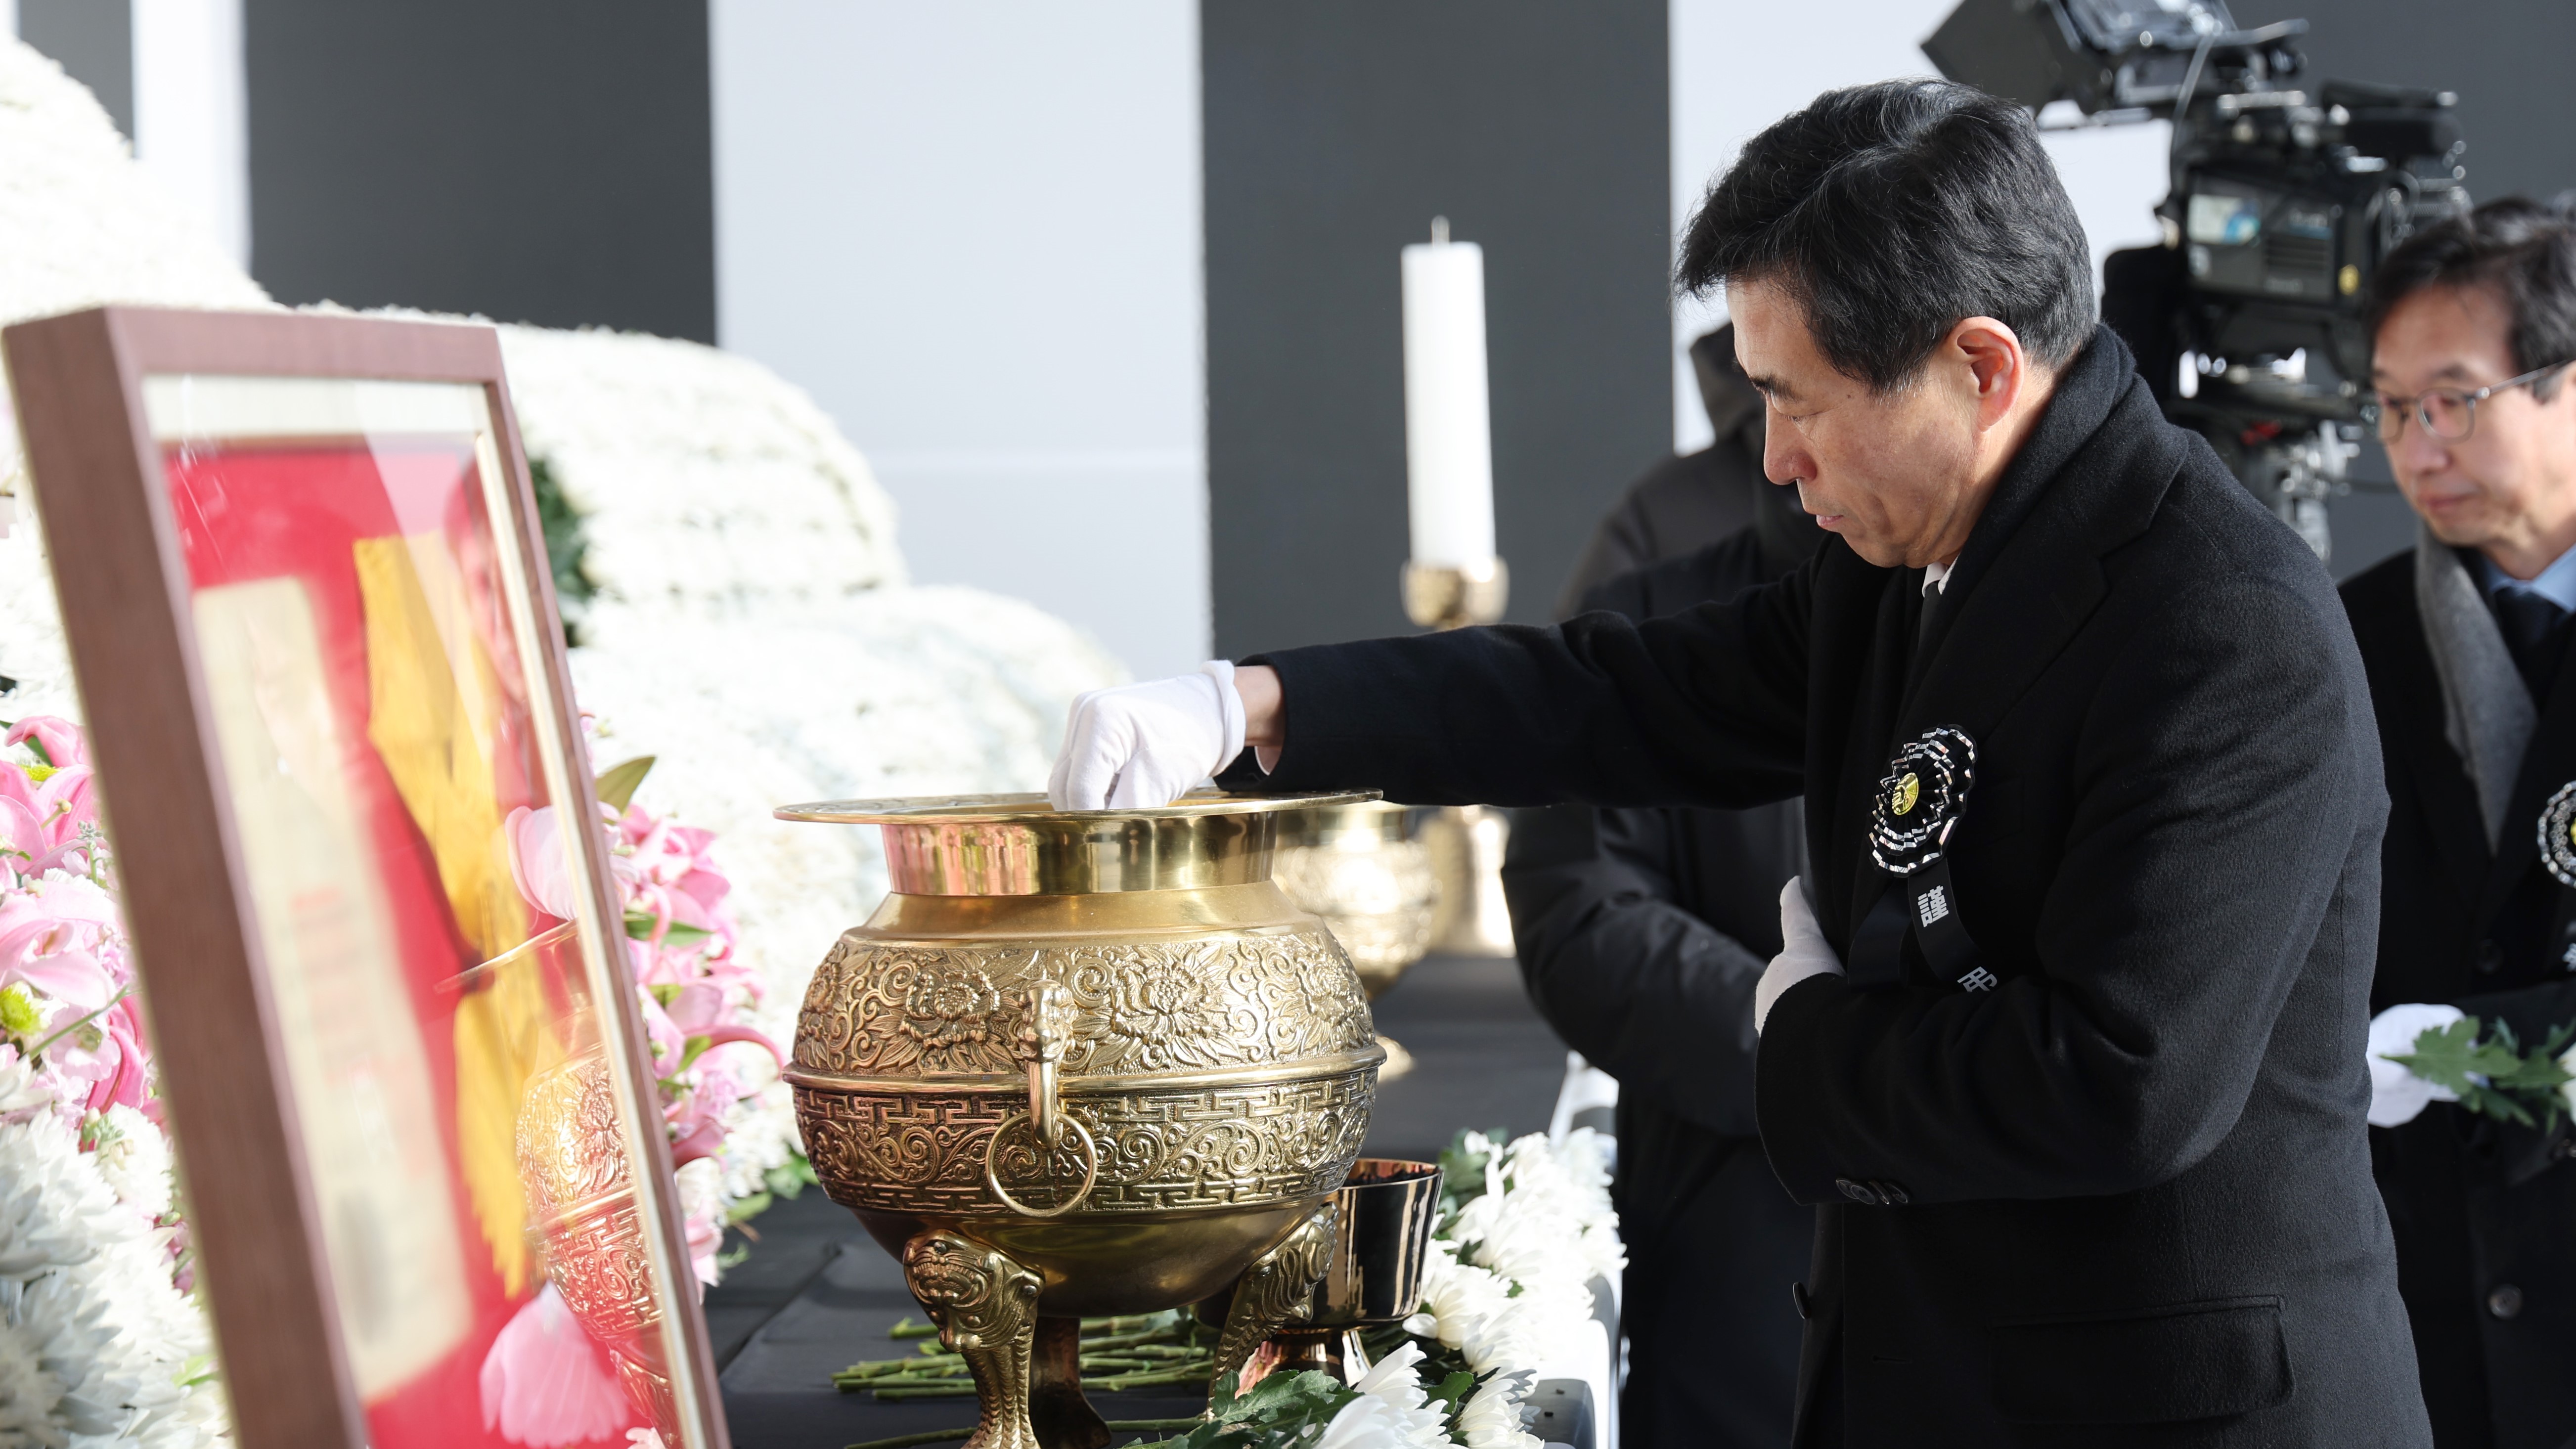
1503, 1300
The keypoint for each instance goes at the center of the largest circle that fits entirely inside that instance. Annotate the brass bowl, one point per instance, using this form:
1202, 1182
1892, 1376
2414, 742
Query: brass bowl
1388, 1211
1382, 1223
1085, 1063
1360, 869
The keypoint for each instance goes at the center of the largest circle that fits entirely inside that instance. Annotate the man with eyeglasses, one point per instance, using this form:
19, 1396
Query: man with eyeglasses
2465, 639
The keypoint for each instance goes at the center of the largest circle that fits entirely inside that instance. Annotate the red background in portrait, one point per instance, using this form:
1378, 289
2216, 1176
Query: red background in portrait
266, 511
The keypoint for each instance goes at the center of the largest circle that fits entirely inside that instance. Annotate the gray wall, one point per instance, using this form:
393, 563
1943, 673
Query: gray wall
93, 41
532, 160
1334, 131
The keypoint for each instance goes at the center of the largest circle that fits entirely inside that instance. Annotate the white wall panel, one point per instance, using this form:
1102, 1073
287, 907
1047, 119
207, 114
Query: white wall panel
191, 110
972, 231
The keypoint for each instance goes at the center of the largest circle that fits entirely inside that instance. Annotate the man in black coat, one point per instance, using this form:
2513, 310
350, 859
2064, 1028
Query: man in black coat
1642, 934
2067, 1038
2465, 638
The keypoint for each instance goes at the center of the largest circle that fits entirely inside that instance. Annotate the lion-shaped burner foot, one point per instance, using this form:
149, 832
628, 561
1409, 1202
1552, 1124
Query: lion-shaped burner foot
985, 1304
1278, 1288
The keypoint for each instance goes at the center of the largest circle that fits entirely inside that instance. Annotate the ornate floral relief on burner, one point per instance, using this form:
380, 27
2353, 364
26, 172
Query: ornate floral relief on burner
923, 1151
570, 1150
884, 1009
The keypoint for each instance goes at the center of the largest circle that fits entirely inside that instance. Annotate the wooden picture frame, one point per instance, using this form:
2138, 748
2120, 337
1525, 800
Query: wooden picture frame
129, 413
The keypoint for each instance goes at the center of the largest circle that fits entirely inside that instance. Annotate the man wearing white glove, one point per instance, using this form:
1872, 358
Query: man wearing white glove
2092, 807
2465, 639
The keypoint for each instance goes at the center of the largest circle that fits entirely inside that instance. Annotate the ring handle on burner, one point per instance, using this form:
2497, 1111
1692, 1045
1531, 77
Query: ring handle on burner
1090, 1166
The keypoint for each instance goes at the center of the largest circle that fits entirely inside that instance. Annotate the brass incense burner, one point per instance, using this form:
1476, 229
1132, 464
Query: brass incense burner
1359, 868
581, 1201
1084, 1063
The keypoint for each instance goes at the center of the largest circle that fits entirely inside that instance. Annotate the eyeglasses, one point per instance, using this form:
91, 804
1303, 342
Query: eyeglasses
2448, 413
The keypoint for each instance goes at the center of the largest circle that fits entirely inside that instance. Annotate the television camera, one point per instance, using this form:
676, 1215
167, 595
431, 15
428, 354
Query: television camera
2248, 321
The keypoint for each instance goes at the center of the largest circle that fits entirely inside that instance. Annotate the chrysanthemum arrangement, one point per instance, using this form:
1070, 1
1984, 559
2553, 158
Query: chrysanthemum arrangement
1525, 1230
102, 1340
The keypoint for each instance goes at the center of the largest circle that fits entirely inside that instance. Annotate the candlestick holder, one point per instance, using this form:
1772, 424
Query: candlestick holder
1465, 841
1452, 596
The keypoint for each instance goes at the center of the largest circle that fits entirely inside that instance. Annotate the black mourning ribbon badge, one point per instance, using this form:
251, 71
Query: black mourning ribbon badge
2558, 834
1918, 805
1920, 799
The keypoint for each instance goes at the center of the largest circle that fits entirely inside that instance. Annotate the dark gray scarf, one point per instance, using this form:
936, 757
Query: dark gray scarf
2487, 713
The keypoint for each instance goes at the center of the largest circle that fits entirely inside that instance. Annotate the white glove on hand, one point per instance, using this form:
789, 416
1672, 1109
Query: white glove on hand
1804, 952
1143, 744
2398, 1096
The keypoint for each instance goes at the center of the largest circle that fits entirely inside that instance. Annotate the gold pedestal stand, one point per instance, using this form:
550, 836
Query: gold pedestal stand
1466, 841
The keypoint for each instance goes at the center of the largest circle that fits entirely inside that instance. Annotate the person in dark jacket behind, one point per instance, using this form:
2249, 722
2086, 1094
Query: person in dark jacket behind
1689, 500
2466, 639
1642, 933
2065, 1040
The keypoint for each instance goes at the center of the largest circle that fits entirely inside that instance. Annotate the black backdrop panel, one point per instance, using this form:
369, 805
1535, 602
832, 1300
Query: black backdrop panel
1335, 131
532, 160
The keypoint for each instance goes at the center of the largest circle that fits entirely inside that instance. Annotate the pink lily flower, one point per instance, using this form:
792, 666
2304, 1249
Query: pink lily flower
62, 740
537, 861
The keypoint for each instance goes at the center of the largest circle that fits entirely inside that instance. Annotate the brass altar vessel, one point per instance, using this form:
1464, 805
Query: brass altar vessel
1084, 1063
1359, 867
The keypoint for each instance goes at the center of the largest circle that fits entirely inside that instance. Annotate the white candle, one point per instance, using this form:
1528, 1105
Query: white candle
1448, 440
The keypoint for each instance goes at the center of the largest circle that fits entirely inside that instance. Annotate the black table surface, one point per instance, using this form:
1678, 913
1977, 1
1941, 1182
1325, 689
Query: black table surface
816, 1293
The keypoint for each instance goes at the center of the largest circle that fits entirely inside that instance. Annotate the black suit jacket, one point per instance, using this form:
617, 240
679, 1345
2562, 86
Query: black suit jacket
2135, 1178
2479, 1207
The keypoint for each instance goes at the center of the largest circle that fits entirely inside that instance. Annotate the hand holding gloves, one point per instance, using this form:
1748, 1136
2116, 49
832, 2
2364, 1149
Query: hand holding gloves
1804, 952
1143, 744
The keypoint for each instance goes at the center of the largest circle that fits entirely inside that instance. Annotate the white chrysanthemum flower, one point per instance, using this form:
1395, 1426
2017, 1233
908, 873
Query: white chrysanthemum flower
1396, 1382
1496, 1417
85, 1289
1517, 1304
29, 1396
1369, 1422
20, 1091
134, 1157
760, 1133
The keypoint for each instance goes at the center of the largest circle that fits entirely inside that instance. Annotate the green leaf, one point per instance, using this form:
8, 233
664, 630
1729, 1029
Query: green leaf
616, 784
567, 543
791, 1177
640, 925
1454, 1390
692, 1048
2489, 1071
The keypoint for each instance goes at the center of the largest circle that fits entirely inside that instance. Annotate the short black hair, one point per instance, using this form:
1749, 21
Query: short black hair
2523, 249
1894, 211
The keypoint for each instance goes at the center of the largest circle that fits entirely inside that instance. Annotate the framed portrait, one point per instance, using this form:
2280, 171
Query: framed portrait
306, 596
